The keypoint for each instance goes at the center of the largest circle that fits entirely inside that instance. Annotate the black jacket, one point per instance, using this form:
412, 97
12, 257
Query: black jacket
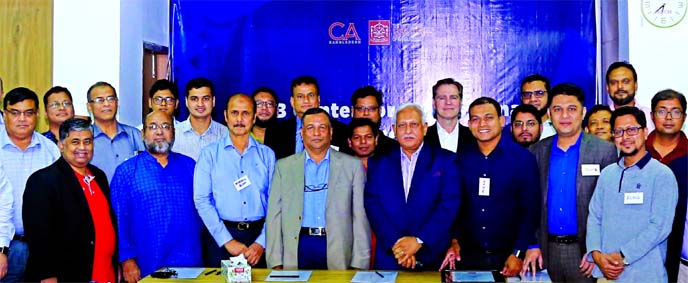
465, 137
58, 225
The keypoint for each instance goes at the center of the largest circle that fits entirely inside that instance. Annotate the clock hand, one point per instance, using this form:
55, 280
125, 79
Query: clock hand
660, 8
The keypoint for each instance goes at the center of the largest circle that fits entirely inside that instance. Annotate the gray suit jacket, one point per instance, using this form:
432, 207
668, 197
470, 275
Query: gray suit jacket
348, 231
593, 150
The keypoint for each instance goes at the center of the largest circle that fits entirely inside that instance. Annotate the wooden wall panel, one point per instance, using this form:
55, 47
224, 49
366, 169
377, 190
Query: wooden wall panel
26, 57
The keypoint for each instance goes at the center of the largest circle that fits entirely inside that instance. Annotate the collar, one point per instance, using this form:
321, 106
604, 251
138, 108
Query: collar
308, 158
5, 139
575, 145
97, 131
641, 163
251, 142
441, 130
414, 155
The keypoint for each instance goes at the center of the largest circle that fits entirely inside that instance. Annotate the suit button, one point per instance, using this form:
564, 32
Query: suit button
299, 217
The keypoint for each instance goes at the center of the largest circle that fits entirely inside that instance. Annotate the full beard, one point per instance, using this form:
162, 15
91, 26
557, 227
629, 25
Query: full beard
623, 101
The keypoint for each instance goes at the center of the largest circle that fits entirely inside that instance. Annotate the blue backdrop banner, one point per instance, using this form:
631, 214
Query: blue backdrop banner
399, 47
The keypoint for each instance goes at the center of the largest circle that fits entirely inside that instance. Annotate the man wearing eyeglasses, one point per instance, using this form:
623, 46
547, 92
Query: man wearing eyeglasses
285, 138
668, 144
22, 152
446, 105
113, 141
569, 164
366, 103
70, 225
316, 218
164, 96
622, 84
535, 91
526, 125
266, 112
632, 208
58, 108
231, 184
199, 130
152, 196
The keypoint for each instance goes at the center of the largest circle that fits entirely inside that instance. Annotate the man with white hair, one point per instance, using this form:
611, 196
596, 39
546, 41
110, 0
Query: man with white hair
411, 197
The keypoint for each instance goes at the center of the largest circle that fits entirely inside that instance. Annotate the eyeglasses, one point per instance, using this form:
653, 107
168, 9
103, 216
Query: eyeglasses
529, 124
168, 100
537, 93
16, 113
267, 104
366, 108
55, 104
163, 126
630, 131
663, 113
314, 188
101, 100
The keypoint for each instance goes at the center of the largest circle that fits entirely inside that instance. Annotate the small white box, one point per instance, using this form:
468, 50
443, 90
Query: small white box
236, 270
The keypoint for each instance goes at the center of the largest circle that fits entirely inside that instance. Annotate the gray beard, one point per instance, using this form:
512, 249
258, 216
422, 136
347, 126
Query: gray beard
159, 147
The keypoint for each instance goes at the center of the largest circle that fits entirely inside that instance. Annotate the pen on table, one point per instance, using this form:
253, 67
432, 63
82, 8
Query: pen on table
211, 271
284, 276
379, 274
219, 272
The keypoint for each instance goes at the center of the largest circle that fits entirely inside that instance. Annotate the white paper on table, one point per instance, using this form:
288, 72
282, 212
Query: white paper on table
289, 276
371, 276
188, 272
540, 276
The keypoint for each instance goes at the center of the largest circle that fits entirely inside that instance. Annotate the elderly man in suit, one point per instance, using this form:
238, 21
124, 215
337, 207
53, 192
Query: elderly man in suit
570, 163
315, 217
68, 220
412, 197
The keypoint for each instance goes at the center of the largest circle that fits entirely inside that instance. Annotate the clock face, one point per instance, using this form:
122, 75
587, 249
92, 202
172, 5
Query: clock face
664, 13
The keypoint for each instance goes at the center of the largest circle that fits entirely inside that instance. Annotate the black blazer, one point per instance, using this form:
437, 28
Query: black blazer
675, 241
465, 137
58, 224
281, 138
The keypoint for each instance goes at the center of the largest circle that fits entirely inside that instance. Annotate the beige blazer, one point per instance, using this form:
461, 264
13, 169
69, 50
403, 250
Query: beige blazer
348, 231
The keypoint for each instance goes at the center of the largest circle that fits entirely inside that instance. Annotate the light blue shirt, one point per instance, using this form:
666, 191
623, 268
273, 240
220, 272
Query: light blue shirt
638, 229
6, 199
190, 143
299, 139
220, 164
19, 165
110, 153
316, 177
408, 166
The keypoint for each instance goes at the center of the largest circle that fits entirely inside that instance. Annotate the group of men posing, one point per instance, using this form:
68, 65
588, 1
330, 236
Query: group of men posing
106, 199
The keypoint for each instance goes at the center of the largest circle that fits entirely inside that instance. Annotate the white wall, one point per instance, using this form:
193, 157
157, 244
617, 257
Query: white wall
86, 37
102, 40
659, 55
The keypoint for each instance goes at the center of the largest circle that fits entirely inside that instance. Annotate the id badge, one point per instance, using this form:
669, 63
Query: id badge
242, 183
484, 187
590, 169
633, 198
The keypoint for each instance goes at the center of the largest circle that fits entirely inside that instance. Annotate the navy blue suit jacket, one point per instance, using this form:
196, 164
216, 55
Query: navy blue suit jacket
433, 203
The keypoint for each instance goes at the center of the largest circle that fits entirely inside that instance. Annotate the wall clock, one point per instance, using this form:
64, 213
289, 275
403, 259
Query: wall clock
664, 13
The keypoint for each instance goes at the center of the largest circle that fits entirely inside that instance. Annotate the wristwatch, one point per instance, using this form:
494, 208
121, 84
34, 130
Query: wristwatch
5, 250
519, 254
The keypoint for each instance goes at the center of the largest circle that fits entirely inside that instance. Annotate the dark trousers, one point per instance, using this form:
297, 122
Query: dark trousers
482, 260
312, 252
212, 254
563, 261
